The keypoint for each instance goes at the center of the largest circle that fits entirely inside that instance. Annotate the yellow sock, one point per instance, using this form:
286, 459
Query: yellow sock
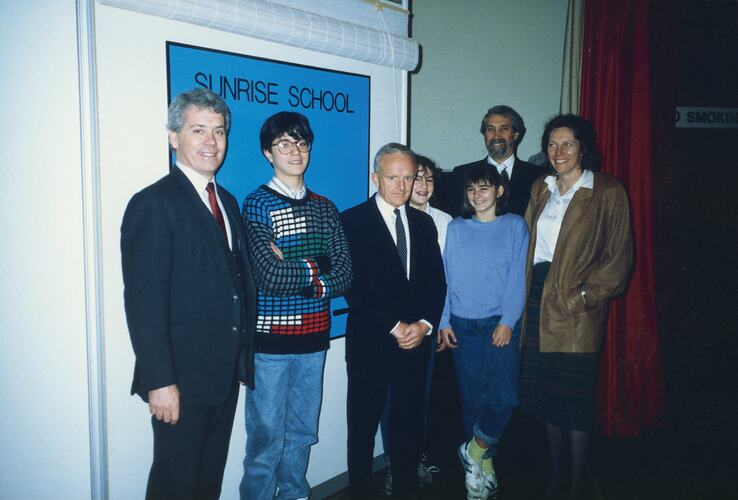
487, 467
475, 451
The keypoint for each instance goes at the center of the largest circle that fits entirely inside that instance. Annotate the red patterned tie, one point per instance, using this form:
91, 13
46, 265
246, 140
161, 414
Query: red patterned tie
215, 208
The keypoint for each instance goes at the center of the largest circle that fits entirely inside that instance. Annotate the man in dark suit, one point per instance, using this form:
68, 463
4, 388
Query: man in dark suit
190, 303
503, 129
395, 303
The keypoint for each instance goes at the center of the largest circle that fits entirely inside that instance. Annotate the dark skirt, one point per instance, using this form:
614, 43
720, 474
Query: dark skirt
557, 387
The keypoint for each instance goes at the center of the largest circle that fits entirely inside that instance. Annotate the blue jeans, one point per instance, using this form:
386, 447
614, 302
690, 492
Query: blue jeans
488, 378
281, 425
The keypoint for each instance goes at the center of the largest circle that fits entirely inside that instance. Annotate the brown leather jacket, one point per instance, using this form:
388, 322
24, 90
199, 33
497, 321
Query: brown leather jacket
595, 251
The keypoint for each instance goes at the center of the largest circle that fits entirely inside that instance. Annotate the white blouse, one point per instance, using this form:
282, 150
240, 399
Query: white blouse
549, 223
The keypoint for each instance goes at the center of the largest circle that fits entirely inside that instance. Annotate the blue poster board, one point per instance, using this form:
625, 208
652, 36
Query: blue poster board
336, 103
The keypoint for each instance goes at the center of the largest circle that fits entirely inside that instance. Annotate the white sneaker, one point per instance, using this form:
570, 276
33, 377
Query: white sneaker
478, 484
490, 483
473, 479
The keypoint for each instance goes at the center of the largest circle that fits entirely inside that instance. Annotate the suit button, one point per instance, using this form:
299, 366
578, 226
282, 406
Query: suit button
235, 328
235, 298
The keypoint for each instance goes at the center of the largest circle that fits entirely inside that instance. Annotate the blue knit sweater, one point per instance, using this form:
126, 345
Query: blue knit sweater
293, 306
485, 269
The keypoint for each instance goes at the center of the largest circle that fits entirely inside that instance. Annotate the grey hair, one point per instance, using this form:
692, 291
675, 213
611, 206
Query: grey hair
516, 120
199, 98
393, 148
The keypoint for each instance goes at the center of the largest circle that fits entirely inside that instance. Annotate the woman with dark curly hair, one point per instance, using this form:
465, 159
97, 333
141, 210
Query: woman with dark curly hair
580, 256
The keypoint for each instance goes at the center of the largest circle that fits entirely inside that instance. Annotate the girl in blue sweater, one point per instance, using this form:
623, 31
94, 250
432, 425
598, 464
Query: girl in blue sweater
485, 274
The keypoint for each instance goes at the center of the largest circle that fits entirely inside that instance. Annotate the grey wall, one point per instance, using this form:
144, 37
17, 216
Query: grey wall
476, 54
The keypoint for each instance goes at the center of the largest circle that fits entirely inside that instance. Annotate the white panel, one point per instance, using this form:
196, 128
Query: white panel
299, 28
44, 420
362, 12
133, 148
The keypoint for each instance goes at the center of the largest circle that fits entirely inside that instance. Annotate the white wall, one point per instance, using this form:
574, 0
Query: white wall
44, 422
477, 54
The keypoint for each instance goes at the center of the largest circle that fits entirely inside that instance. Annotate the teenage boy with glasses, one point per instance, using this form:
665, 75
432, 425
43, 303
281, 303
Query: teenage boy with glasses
300, 258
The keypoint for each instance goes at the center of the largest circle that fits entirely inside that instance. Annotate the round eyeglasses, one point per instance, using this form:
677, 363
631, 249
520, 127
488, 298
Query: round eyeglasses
287, 147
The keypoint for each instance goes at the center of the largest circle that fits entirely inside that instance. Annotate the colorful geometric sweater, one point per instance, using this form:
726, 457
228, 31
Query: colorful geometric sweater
293, 300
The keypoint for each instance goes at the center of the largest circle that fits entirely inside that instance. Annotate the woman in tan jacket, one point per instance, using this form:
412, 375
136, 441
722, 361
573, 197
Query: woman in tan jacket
580, 256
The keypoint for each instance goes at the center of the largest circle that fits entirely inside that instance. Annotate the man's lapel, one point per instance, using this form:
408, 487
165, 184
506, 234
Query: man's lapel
238, 238
415, 247
201, 216
515, 175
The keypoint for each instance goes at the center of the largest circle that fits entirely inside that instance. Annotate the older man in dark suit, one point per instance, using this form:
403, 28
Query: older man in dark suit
395, 303
190, 303
503, 130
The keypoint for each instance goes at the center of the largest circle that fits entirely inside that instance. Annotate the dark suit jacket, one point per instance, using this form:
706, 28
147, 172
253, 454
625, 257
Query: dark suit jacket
523, 175
381, 294
185, 317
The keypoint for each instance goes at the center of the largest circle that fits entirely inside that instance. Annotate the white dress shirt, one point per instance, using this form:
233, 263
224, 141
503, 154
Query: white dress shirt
284, 189
200, 184
506, 165
549, 223
388, 215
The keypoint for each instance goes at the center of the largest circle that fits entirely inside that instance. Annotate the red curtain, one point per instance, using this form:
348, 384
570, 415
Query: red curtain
616, 97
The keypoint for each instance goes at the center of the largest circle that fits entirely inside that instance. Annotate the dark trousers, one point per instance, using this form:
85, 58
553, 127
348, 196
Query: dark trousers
189, 458
403, 372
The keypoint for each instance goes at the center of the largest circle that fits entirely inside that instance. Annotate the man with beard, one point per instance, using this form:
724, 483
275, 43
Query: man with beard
503, 130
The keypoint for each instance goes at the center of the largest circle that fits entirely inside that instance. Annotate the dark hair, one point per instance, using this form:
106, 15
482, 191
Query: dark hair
199, 98
295, 125
393, 148
430, 166
516, 120
485, 172
583, 131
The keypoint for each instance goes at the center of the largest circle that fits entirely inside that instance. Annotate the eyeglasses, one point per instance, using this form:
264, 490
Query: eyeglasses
286, 147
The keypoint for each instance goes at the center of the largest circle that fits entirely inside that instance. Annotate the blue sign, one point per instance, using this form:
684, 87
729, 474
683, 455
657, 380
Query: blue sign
336, 103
